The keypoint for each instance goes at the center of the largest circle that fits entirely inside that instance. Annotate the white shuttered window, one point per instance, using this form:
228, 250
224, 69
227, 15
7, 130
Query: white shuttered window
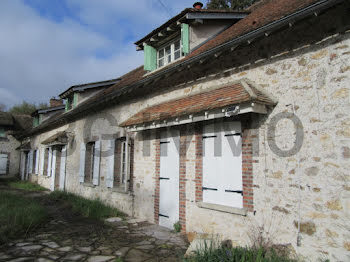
222, 164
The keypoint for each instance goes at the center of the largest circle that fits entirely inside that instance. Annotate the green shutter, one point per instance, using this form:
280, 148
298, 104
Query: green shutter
185, 38
2, 132
40, 119
36, 121
150, 58
67, 105
75, 100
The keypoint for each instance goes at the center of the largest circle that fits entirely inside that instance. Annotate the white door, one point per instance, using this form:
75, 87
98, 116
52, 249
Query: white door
3, 164
169, 178
222, 164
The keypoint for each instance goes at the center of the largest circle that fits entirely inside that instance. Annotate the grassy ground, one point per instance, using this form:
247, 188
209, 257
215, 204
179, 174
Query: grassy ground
18, 215
25, 185
88, 208
237, 254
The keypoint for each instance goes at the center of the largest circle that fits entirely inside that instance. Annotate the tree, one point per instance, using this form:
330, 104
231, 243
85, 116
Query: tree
230, 4
26, 108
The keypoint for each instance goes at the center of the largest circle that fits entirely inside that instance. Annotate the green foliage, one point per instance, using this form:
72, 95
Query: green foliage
26, 186
88, 208
237, 254
177, 227
18, 215
229, 4
119, 259
26, 108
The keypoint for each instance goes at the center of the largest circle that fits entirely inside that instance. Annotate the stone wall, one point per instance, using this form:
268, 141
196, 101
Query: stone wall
8, 146
310, 186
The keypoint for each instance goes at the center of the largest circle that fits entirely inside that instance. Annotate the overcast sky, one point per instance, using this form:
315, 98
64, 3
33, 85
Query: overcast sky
49, 45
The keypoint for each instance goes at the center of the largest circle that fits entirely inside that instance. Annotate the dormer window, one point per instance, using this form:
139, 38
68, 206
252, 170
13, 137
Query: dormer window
169, 53
71, 101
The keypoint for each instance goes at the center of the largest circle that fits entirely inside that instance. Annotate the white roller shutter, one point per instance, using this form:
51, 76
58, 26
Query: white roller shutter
110, 164
82, 162
97, 157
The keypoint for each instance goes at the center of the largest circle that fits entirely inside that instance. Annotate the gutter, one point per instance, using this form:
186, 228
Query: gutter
323, 4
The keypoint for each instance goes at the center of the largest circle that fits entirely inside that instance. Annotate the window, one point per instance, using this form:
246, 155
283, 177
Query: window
120, 164
89, 162
71, 101
169, 53
222, 164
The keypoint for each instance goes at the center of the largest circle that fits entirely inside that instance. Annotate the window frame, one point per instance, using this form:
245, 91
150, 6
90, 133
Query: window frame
122, 169
170, 44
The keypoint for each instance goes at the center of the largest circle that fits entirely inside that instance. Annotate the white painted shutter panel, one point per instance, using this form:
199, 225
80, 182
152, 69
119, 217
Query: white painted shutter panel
211, 163
30, 156
36, 171
110, 164
3, 164
42, 161
49, 162
82, 163
27, 166
23, 161
53, 168
63, 168
231, 165
97, 156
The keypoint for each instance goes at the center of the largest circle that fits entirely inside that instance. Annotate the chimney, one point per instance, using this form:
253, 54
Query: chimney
198, 5
55, 102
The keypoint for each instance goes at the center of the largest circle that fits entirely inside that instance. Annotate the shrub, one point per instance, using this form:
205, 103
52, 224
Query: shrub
18, 215
88, 208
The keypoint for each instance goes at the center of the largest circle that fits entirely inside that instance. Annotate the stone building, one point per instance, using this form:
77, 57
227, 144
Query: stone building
11, 126
236, 126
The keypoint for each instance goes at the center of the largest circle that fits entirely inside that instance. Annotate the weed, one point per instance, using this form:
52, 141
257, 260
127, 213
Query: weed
88, 208
18, 215
177, 227
119, 259
209, 253
25, 185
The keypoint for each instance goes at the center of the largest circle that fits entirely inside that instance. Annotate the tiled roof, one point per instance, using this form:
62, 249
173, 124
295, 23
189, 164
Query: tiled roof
266, 12
263, 13
220, 97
